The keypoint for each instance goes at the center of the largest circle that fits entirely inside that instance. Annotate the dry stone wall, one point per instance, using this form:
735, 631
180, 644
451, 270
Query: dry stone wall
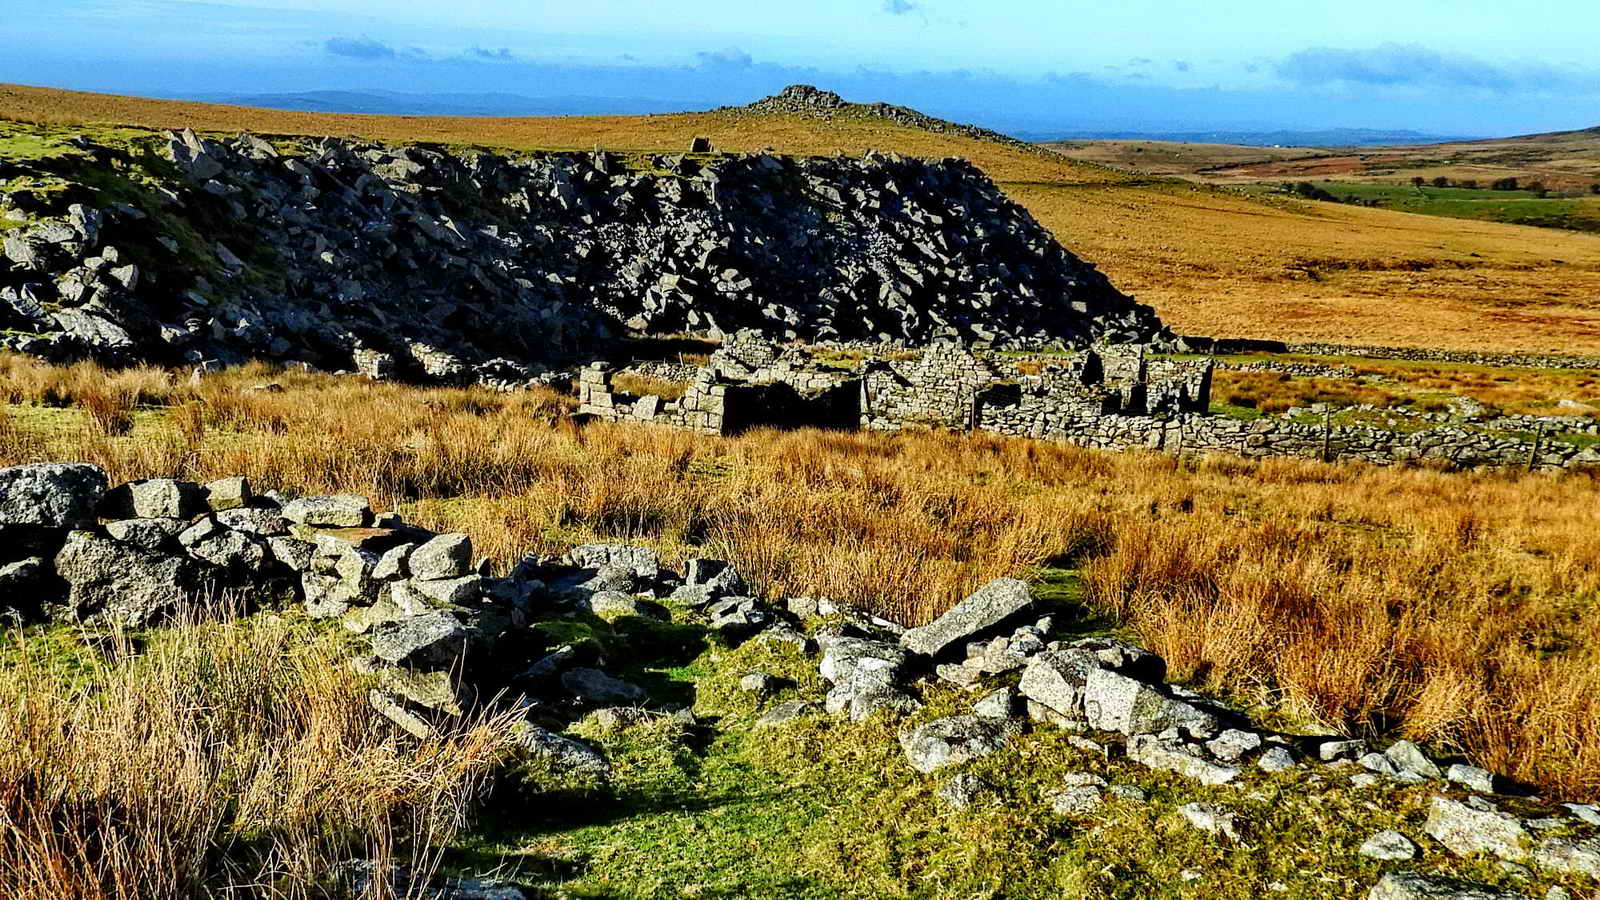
1114, 401
1415, 354
1454, 446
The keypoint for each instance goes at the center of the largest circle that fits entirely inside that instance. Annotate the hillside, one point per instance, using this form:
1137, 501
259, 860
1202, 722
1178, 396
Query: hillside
1211, 262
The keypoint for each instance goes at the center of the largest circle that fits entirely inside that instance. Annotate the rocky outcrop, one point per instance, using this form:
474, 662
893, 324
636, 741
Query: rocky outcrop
815, 103
447, 266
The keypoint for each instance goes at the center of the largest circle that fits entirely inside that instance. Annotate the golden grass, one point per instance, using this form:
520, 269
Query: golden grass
235, 759
647, 385
1458, 608
1212, 262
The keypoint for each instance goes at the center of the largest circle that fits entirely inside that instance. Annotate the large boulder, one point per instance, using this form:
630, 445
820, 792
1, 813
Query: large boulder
955, 740
51, 495
123, 584
989, 606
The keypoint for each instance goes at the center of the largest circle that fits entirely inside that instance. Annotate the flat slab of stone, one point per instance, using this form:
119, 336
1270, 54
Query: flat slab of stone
989, 606
1113, 702
330, 511
1412, 886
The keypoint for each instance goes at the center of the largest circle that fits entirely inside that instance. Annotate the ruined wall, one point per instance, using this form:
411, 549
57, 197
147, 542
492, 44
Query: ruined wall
1191, 433
710, 406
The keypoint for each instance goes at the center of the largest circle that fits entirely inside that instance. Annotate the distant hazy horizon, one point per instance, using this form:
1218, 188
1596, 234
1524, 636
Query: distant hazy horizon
1435, 67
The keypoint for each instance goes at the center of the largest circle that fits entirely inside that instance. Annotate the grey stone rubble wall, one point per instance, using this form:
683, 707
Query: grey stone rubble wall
1297, 369
1190, 433
430, 264
1415, 354
1470, 412
950, 387
445, 640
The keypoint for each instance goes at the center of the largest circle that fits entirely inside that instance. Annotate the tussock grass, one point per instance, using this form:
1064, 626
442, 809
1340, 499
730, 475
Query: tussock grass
235, 760
1457, 608
644, 386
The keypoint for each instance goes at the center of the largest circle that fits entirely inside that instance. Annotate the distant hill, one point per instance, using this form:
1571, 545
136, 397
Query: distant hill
395, 103
1329, 137
1561, 160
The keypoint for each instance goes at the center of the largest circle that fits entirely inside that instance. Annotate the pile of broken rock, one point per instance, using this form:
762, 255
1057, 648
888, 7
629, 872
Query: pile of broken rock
1114, 699
445, 636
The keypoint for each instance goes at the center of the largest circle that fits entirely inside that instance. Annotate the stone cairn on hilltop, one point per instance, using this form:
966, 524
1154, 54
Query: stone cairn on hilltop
444, 636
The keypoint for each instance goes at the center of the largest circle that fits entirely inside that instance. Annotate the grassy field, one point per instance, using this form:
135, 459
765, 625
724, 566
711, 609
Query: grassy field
1212, 262
1509, 207
1456, 608
1563, 160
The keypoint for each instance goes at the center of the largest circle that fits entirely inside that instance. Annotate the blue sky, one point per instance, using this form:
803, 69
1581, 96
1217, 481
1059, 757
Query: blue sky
1443, 66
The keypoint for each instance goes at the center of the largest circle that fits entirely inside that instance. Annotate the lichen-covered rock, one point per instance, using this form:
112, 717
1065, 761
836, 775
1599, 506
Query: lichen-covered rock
154, 498
963, 790
1388, 845
565, 755
738, 617
149, 534
441, 557
1056, 679
1481, 828
430, 641
51, 495
953, 741
1150, 750
1113, 702
1212, 819
227, 493
784, 712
